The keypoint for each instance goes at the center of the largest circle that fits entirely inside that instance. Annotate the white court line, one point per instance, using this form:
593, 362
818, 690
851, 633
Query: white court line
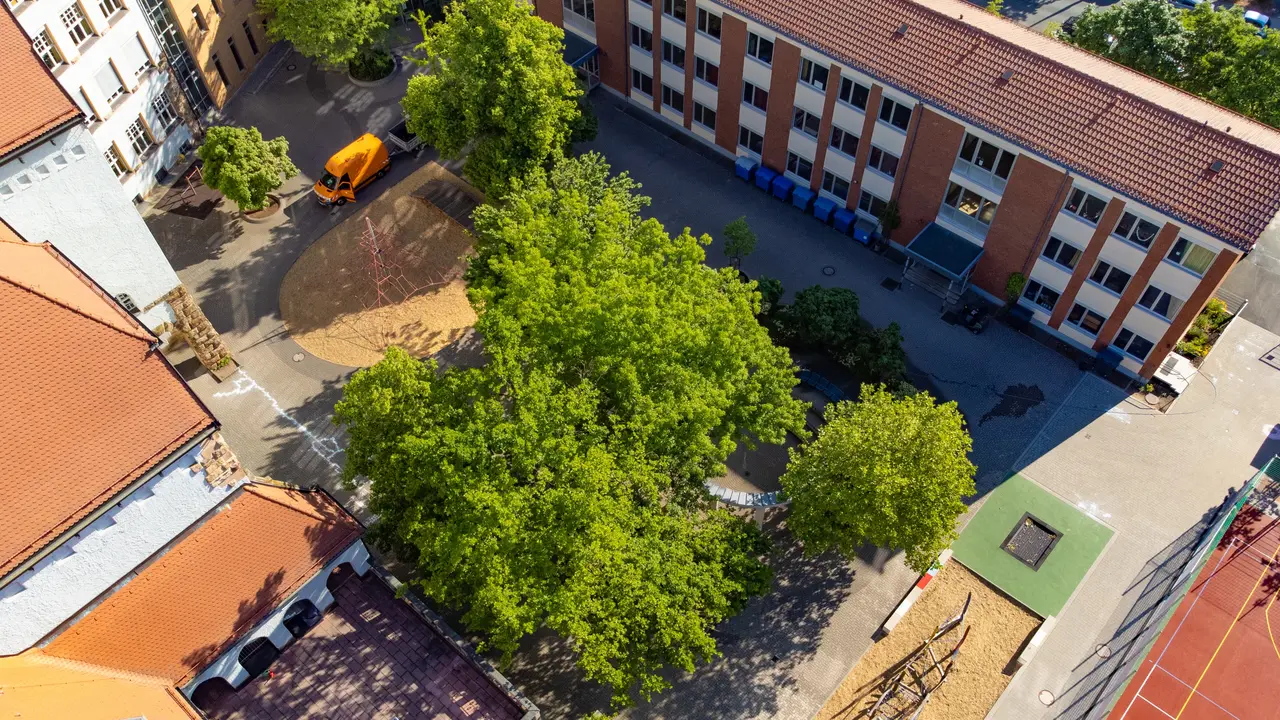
1169, 644
1193, 690
1157, 707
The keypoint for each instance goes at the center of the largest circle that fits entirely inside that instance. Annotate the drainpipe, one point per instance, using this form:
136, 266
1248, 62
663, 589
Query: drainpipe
1033, 252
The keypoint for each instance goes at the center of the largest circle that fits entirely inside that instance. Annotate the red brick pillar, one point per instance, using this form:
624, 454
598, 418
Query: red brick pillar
1159, 248
1030, 200
550, 10
933, 142
782, 103
824, 129
1110, 216
733, 50
1205, 290
613, 39
864, 145
657, 55
690, 38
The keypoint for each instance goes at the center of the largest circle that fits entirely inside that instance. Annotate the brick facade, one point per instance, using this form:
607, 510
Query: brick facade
733, 52
550, 10
782, 103
1032, 196
1205, 290
933, 142
824, 130
657, 57
1159, 248
1110, 217
612, 37
690, 35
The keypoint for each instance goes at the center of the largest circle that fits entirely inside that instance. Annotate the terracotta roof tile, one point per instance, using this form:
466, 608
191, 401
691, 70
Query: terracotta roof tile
34, 686
34, 102
1141, 137
85, 406
185, 608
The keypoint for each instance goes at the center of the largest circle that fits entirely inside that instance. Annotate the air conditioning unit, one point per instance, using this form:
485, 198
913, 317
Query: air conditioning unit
1177, 372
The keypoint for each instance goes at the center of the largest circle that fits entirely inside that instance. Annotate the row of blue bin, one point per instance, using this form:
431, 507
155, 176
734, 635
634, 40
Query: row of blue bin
785, 189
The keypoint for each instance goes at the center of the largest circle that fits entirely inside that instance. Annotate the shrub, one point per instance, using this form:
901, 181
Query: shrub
823, 317
371, 65
770, 293
1013, 288
877, 357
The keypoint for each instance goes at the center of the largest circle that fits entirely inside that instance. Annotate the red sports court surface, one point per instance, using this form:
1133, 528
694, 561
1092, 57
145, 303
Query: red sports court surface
1219, 656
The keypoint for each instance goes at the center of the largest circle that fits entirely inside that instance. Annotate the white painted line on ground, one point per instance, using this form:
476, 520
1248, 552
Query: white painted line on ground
326, 448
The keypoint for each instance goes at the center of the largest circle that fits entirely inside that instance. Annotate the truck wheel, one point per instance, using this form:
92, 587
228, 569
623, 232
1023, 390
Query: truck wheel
340, 202
381, 173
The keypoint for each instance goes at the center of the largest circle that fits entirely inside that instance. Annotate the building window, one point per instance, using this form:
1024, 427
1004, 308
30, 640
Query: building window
1133, 344
1056, 251
750, 139
704, 115
641, 38
982, 155
217, 7
835, 185
109, 82
1160, 302
799, 166
1085, 206
1191, 256
757, 98
82, 101
673, 99
109, 7
1110, 277
138, 137
198, 16
871, 204
674, 8
138, 58
706, 71
1136, 230
969, 207
641, 83
248, 34
673, 54
806, 122
1085, 319
46, 50
164, 112
709, 23
77, 26
811, 73
127, 302
116, 162
844, 141
851, 93
895, 114
882, 161
1045, 297
235, 54
217, 66
759, 48
582, 8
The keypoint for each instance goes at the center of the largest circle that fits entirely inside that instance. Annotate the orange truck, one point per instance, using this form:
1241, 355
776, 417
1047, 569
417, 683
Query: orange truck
360, 163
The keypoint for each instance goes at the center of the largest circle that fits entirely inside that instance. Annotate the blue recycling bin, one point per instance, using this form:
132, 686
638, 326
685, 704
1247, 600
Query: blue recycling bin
764, 178
863, 229
823, 209
803, 198
782, 187
745, 168
844, 219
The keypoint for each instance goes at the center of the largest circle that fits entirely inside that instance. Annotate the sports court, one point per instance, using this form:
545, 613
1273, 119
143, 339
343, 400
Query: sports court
1219, 655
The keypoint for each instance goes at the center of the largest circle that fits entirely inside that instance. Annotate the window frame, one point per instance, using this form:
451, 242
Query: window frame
795, 163
54, 54
253, 42
744, 130
235, 53
700, 66
893, 107
750, 86
1128, 237
588, 11
120, 92
1028, 292
637, 84
834, 179
875, 166
704, 20
758, 50
1190, 246
800, 120
1124, 348
637, 33
669, 95
222, 72
842, 135
143, 133
104, 4
669, 8
1078, 213
116, 161
869, 211
1108, 270
1161, 294
813, 69
700, 117
675, 50
1084, 314
975, 149
854, 86
1055, 258
984, 201
71, 25
162, 106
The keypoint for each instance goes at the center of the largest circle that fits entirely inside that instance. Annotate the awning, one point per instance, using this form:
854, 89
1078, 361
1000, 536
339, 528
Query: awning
577, 49
945, 251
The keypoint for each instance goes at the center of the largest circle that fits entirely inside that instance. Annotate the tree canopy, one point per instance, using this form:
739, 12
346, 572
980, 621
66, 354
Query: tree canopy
887, 471
739, 240
333, 31
242, 166
498, 88
1146, 35
561, 484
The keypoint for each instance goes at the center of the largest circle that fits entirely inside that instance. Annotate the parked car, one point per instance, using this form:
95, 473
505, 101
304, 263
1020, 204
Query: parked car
1258, 20
1188, 4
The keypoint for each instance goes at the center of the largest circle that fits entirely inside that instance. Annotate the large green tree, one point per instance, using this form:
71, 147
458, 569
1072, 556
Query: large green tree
498, 88
1228, 62
241, 165
1146, 35
561, 484
332, 31
888, 471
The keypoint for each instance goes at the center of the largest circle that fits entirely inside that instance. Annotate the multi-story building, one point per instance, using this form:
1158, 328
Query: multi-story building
58, 185
104, 54
227, 38
1122, 200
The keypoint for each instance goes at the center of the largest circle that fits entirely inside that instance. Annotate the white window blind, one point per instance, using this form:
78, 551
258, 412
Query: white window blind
109, 82
135, 57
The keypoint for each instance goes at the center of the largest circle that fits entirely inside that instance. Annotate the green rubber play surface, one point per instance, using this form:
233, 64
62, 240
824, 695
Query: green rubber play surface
1040, 528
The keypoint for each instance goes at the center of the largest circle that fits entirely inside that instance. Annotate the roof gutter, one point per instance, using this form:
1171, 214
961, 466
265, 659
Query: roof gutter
17, 152
102, 509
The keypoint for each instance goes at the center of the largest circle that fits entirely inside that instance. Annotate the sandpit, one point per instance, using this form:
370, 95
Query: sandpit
998, 629
329, 298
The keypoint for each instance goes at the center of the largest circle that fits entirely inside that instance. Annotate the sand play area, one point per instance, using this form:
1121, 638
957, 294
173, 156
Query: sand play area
330, 300
998, 627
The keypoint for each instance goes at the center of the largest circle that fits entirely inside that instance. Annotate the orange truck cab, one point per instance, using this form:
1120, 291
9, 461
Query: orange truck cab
351, 168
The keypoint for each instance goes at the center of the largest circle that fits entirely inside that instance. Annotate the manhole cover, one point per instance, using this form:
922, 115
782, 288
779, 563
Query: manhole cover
298, 357
291, 67
1046, 697
1102, 651
828, 270
890, 284
1031, 541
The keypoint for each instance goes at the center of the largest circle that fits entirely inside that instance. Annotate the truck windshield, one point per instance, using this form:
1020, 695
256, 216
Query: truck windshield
329, 181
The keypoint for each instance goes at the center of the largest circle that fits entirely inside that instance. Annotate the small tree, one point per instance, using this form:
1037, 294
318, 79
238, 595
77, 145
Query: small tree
824, 317
876, 356
771, 291
1013, 287
739, 241
332, 31
889, 471
890, 219
995, 7
242, 166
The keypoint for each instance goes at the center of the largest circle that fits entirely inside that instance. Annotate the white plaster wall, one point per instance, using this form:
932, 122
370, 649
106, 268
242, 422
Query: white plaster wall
61, 584
809, 98
62, 191
673, 29
706, 46
706, 95
228, 666
1097, 299
887, 136
1072, 229
1147, 324
839, 163
1118, 253
877, 184
751, 118
1173, 279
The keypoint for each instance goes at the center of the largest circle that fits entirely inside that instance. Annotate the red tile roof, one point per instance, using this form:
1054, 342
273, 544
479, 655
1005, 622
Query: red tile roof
34, 102
86, 407
1147, 140
188, 606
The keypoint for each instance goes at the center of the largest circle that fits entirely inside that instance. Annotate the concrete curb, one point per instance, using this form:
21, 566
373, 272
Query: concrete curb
395, 70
